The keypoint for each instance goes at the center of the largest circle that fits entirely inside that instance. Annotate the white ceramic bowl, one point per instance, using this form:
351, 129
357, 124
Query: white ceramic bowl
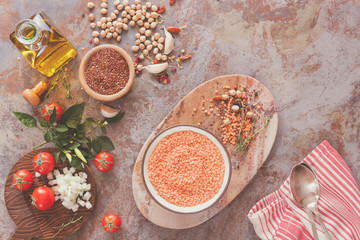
162, 202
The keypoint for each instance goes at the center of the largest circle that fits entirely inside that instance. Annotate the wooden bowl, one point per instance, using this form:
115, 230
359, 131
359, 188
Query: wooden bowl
99, 96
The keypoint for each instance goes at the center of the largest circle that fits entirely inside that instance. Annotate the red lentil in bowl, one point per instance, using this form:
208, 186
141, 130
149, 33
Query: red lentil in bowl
186, 169
106, 72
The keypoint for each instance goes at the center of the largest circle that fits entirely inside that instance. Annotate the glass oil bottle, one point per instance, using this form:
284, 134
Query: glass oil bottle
43, 46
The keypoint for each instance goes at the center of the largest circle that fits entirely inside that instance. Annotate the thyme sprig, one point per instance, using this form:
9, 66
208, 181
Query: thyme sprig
64, 225
60, 77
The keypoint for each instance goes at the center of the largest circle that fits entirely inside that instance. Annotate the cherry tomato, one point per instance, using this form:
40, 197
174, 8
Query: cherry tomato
43, 198
104, 162
44, 162
22, 179
47, 110
111, 222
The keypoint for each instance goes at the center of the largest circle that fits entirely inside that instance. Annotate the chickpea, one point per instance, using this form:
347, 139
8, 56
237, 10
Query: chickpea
132, 13
154, 8
150, 20
154, 15
138, 6
125, 20
103, 20
154, 43
147, 15
109, 35
161, 40
91, 17
140, 23
152, 38
95, 34
141, 46
137, 2
126, 3
115, 35
137, 41
133, 6
119, 25
164, 58
115, 23
125, 27
147, 42
103, 11
104, 1
148, 4
96, 41
132, 23
119, 20
135, 18
127, 9
107, 31
149, 47
137, 35
93, 25
145, 52
113, 16
108, 24
120, 7
148, 33
98, 24
117, 2
153, 25
112, 29
160, 46
103, 33
90, 5
143, 8
103, 26
135, 48
116, 11
142, 17
155, 51
109, 19
183, 51
142, 38
118, 30
157, 36
139, 67
146, 25
141, 56
158, 56
118, 38
103, 5
142, 30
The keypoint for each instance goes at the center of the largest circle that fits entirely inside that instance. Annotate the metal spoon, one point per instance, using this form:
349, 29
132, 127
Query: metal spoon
305, 191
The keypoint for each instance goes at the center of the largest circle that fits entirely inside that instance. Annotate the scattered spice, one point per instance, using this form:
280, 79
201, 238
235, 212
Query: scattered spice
186, 168
171, 2
161, 9
150, 105
107, 72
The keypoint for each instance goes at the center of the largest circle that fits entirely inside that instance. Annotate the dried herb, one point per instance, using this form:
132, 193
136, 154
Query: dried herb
74, 139
64, 225
60, 77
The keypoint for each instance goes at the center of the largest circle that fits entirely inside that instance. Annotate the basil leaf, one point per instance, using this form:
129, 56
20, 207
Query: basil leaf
103, 129
52, 117
26, 119
81, 129
61, 128
82, 140
56, 156
44, 123
73, 145
106, 143
76, 163
72, 116
47, 136
63, 157
115, 119
90, 121
96, 145
86, 152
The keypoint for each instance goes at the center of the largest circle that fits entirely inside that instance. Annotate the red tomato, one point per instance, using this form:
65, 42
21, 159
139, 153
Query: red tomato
22, 179
104, 162
44, 162
43, 198
47, 110
111, 222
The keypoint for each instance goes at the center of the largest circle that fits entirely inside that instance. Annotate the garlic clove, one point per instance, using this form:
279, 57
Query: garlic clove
156, 68
169, 42
109, 112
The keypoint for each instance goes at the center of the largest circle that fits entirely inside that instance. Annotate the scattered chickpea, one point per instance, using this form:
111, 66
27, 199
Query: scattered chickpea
132, 12
115, 23
116, 11
148, 4
90, 5
103, 11
112, 29
103, 33
118, 30
82, 49
141, 56
161, 40
103, 5
148, 33
118, 38
137, 42
160, 46
142, 38
125, 20
146, 25
115, 35
125, 27
98, 24
96, 41
158, 56
132, 23
154, 8
153, 25
154, 15
139, 67
95, 34
137, 35
127, 9
232, 92
157, 36
135, 18
93, 25
109, 35
113, 16
155, 51
91, 17
137, 2
224, 97
145, 52
123, 13
126, 3
142, 30
235, 108
164, 58
135, 48
109, 19
105, 1
108, 24
150, 19
140, 22
182, 51
128, 16
154, 43
149, 47
198, 124
120, 7
148, 16
147, 42
133, 6
117, 2
103, 26
138, 7
103, 20
142, 46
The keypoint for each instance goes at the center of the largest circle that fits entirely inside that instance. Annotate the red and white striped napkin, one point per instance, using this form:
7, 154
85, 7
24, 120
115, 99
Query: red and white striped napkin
277, 217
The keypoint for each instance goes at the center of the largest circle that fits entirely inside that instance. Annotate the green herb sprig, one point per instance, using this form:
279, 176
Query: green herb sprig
75, 140
64, 225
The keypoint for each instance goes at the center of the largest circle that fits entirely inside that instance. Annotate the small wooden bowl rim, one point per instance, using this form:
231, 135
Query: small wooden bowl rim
99, 96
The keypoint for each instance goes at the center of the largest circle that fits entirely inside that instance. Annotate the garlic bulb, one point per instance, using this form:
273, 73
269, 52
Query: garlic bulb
109, 112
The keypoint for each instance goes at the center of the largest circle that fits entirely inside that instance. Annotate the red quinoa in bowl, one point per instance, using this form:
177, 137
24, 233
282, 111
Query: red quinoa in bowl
106, 71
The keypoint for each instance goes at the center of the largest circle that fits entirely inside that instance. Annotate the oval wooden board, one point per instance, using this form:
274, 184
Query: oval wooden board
32, 222
244, 168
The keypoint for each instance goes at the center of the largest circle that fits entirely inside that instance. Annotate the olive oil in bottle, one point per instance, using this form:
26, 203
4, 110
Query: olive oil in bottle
42, 45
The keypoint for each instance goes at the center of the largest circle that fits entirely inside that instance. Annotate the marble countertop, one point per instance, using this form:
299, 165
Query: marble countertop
307, 53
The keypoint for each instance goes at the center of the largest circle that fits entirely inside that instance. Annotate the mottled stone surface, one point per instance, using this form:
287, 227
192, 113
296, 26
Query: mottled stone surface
306, 52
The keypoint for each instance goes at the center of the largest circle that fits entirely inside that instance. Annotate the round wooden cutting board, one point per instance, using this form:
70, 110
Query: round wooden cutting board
244, 167
32, 222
